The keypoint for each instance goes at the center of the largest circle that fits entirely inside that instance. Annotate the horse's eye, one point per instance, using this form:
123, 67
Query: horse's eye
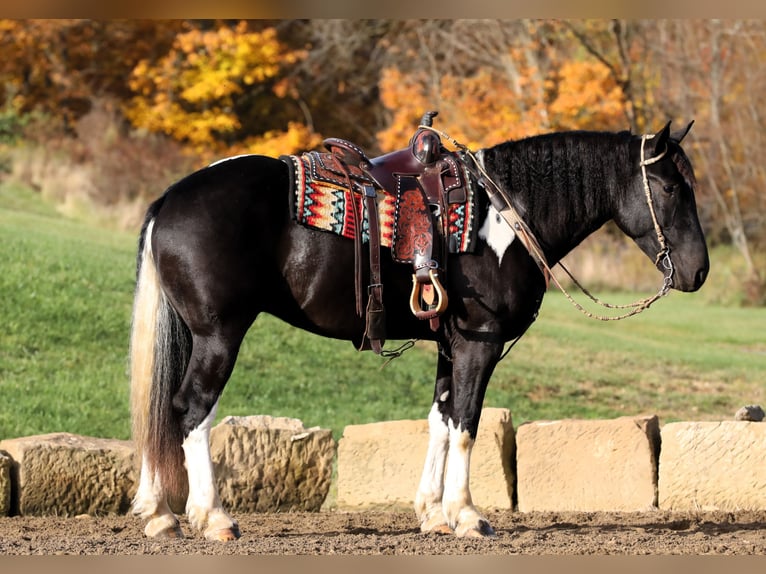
670, 187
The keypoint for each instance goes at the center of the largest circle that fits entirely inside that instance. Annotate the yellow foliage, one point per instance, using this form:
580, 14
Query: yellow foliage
296, 139
190, 93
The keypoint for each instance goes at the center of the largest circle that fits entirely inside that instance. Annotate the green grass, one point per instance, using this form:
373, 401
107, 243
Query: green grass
682, 359
66, 289
66, 292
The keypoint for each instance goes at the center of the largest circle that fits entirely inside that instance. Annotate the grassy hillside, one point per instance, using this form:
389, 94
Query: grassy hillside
66, 290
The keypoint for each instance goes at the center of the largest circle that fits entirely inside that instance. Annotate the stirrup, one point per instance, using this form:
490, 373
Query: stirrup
440, 297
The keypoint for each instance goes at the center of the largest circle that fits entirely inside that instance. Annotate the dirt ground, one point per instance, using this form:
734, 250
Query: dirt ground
381, 533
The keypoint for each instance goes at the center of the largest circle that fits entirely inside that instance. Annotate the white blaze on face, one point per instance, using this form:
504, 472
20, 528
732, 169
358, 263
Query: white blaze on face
497, 233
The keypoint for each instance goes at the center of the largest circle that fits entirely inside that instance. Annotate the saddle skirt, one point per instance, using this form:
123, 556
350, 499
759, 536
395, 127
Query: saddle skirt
324, 194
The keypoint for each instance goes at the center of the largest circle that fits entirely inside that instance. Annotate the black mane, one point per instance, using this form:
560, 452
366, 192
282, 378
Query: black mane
561, 181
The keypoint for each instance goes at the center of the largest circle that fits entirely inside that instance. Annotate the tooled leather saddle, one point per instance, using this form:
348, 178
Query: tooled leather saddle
425, 181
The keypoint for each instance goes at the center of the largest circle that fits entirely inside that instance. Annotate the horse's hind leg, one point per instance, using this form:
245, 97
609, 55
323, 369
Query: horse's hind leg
203, 507
151, 503
211, 364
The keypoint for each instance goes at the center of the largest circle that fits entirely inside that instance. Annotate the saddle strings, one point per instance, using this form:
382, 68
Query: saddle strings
514, 220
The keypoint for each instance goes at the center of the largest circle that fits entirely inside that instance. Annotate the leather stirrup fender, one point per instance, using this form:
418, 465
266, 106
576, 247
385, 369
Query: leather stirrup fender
440, 297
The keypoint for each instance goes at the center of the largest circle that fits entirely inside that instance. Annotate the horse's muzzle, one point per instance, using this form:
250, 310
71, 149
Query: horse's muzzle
689, 283
700, 276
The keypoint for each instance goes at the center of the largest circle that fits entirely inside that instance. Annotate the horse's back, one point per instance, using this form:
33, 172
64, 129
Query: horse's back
245, 188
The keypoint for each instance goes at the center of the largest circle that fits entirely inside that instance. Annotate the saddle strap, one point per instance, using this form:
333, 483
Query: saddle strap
375, 330
375, 320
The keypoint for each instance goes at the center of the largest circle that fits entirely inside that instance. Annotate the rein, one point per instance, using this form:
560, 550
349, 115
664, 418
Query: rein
512, 218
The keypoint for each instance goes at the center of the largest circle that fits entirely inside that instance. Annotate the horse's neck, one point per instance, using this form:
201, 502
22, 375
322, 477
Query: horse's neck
566, 222
562, 197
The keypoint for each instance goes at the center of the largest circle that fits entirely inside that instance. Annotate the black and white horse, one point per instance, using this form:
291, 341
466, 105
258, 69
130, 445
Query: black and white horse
221, 246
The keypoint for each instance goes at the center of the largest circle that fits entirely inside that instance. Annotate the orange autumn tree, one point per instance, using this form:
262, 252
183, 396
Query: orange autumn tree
199, 91
488, 107
586, 97
477, 110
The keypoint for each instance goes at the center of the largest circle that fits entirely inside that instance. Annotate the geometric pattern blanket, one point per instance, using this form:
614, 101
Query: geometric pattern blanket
324, 202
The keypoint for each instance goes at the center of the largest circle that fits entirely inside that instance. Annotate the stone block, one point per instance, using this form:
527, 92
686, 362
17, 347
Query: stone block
379, 464
66, 475
713, 466
5, 484
270, 464
588, 465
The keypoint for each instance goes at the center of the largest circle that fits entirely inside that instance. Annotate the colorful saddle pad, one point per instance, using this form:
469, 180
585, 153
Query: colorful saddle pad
321, 200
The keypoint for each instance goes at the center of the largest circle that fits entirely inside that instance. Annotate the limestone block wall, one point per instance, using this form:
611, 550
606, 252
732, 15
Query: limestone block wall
626, 464
268, 464
588, 465
67, 474
713, 466
5, 483
265, 463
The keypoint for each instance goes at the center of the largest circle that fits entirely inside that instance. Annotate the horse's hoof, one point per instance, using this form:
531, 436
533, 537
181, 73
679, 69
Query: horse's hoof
436, 524
441, 528
223, 534
164, 527
481, 530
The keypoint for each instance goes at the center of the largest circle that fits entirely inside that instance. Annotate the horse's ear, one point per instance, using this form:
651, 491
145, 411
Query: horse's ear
660, 139
679, 135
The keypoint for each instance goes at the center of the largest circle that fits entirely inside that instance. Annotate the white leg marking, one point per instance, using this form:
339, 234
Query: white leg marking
150, 502
428, 500
461, 514
457, 494
203, 495
497, 233
203, 507
149, 494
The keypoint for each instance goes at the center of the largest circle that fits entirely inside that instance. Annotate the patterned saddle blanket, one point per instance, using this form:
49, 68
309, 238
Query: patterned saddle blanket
321, 199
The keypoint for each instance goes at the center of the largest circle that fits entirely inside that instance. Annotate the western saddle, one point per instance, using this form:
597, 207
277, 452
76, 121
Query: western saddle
424, 178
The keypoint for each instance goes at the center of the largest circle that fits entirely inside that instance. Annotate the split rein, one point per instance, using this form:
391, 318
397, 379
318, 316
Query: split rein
514, 220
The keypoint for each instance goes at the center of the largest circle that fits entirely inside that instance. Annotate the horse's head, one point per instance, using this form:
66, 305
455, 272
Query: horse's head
660, 212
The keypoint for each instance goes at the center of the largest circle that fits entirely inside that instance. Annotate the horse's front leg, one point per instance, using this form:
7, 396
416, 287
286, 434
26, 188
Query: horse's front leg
428, 500
473, 363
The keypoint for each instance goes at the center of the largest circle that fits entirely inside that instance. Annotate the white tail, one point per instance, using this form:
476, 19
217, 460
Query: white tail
146, 307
